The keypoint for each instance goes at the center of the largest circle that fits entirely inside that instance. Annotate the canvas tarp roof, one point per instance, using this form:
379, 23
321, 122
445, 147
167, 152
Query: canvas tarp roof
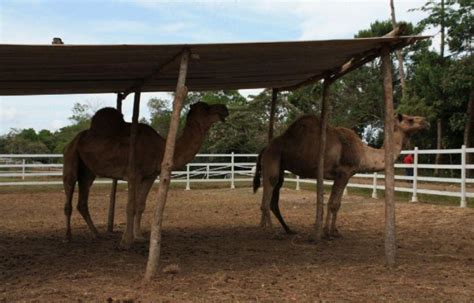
63, 69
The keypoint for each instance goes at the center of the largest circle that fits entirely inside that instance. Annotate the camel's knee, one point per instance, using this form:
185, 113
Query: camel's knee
83, 208
68, 209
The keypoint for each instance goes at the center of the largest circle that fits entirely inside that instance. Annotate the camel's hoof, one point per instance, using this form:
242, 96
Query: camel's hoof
140, 238
68, 237
125, 244
327, 237
335, 234
266, 224
290, 232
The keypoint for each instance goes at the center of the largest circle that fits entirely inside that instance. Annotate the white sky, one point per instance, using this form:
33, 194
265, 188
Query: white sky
161, 22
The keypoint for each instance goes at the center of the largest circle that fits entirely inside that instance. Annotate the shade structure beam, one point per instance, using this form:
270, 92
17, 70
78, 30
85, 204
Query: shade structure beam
354, 62
113, 190
390, 239
166, 166
271, 120
139, 83
127, 237
325, 108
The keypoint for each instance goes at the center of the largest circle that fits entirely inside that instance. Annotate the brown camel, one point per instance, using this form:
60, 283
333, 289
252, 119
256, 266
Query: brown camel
103, 151
297, 151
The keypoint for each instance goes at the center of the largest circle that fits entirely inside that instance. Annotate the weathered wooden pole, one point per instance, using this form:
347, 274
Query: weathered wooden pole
318, 232
166, 165
390, 239
271, 121
127, 238
113, 191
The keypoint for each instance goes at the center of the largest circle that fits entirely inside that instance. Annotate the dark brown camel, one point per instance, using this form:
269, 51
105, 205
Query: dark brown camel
297, 151
103, 151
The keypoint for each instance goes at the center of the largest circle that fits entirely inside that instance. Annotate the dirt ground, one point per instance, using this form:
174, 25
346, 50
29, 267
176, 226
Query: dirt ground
218, 252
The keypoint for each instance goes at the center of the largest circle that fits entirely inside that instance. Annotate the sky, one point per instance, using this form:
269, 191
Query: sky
165, 22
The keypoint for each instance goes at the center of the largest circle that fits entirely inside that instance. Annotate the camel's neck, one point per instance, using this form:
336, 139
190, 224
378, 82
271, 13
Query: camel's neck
189, 143
374, 159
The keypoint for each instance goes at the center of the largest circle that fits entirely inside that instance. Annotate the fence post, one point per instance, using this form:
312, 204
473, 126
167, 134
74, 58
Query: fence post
232, 161
188, 182
298, 183
374, 187
463, 176
414, 198
23, 169
207, 172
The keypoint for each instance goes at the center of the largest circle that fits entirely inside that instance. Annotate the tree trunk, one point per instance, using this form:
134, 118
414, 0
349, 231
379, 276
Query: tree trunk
469, 132
442, 42
398, 52
439, 143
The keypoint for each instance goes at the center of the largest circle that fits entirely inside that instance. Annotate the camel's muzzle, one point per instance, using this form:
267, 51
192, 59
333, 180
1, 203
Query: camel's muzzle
222, 111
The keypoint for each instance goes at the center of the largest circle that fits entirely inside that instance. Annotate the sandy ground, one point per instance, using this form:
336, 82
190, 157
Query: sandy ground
218, 252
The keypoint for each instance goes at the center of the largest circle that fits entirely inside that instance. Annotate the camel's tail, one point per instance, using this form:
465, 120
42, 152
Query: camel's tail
258, 173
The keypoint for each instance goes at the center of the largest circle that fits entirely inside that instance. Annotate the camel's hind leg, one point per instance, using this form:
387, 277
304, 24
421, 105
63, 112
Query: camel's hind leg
265, 220
86, 178
270, 175
334, 204
69, 182
144, 189
274, 203
70, 172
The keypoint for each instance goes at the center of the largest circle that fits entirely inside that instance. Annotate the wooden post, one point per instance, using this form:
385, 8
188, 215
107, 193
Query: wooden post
322, 148
271, 121
127, 238
390, 239
113, 191
166, 165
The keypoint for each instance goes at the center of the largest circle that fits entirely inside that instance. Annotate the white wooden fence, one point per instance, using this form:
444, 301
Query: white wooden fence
27, 170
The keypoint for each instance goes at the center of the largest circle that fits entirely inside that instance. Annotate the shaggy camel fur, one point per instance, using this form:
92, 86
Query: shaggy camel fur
297, 151
103, 151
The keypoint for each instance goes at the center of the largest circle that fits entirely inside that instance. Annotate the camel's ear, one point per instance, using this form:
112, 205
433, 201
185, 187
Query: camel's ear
399, 117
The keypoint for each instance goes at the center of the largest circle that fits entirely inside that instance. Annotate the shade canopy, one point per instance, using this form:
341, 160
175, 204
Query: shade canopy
68, 69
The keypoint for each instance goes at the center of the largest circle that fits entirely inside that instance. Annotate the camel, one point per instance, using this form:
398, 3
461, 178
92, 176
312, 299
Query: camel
103, 151
297, 150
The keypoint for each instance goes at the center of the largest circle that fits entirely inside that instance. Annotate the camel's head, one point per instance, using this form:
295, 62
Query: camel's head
411, 124
208, 113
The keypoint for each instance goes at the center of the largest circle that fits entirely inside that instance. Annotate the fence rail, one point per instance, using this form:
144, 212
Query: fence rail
16, 168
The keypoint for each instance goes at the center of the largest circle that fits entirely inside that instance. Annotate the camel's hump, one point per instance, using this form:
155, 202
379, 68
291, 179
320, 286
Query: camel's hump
107, 122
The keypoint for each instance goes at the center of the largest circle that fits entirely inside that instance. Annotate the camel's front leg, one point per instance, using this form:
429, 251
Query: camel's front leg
145, 187
334, 204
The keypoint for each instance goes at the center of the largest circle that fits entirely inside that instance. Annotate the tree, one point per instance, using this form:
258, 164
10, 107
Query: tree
455, 20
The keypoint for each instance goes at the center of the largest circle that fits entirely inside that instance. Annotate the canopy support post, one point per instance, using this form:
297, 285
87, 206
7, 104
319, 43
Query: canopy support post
113, 191
271, 121
318, 232
166, 166
127, 238
390, 239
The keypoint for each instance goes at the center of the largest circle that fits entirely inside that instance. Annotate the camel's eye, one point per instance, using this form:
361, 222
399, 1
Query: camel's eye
410, 121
